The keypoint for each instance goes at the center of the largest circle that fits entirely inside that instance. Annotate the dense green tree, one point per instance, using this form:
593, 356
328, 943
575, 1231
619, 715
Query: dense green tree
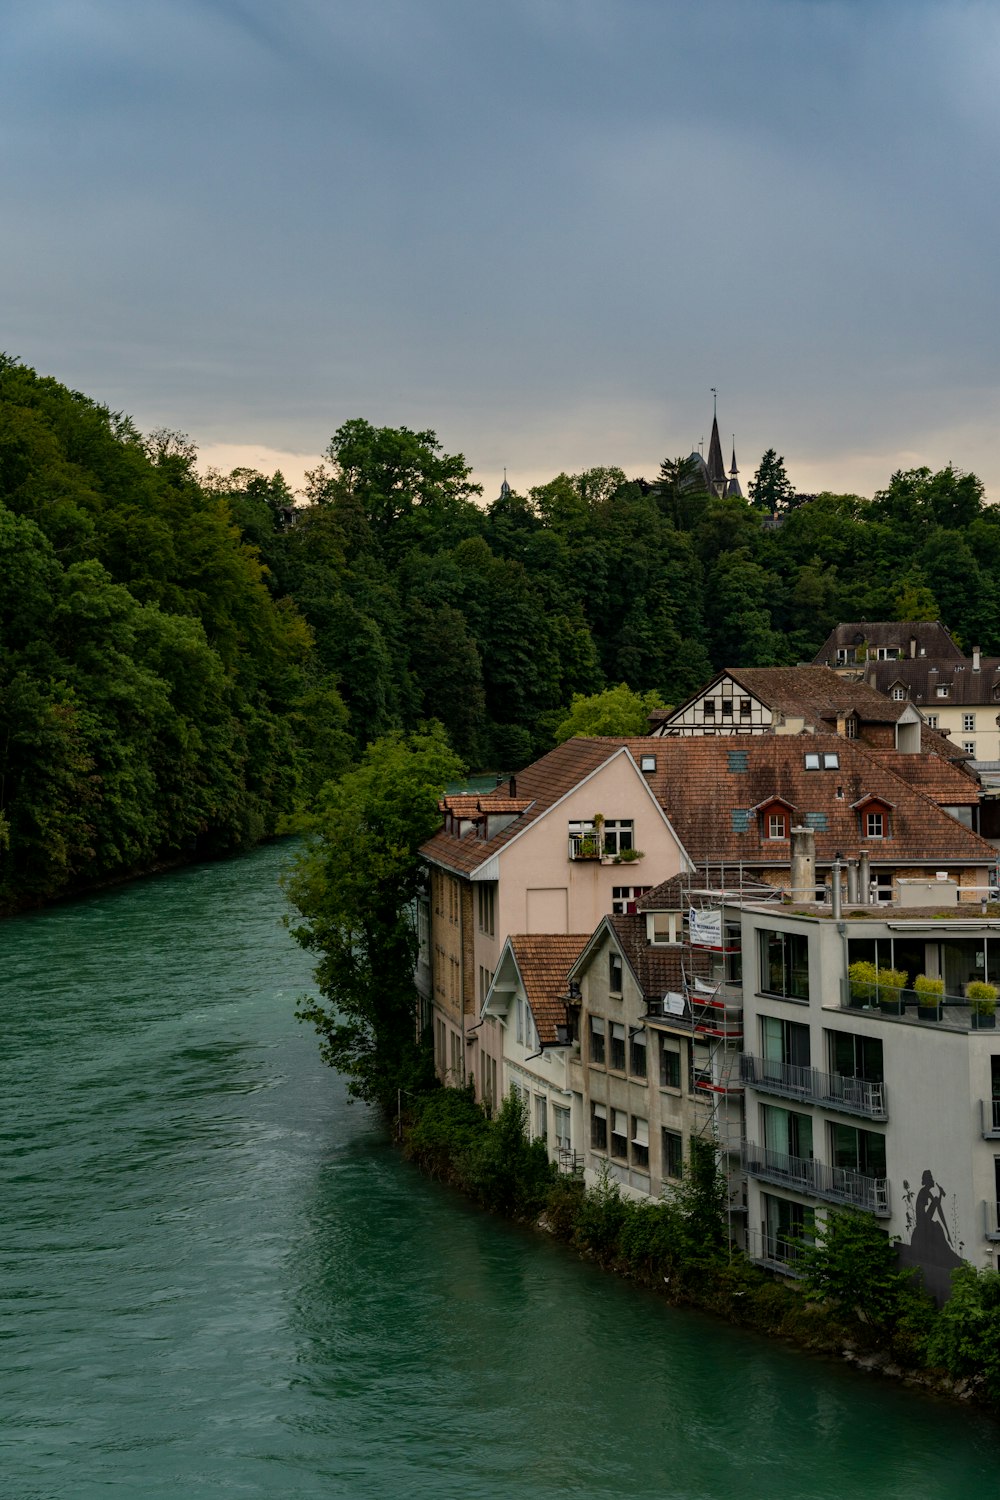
616, 711
852, 1262
354, 887
770, 489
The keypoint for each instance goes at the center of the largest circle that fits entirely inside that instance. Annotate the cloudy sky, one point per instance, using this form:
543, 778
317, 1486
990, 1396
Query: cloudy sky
544, 228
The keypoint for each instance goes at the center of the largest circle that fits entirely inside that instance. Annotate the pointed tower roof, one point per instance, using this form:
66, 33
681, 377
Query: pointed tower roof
716, 466
733, 487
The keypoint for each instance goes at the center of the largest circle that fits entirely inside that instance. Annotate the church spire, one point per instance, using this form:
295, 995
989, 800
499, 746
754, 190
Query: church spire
716, 465
733, 487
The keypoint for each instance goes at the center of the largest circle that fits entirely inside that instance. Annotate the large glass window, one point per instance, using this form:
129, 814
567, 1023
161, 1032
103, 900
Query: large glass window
861, 1151
786, 1132
785, 1042
855, 1056
617, 835
785, 1226
784, 964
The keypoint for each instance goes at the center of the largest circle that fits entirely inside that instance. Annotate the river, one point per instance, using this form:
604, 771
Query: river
219, 1280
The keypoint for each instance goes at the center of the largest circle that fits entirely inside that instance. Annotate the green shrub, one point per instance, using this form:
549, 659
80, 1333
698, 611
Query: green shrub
601, 1218
964, 1338
930, 992
862, 977
502, 1169
852, 1263
982, 997
445, 1126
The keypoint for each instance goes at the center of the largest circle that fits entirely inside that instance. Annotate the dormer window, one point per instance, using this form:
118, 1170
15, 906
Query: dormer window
899, 694
874, 818
775, 817
851, 727
943, 690
777, 825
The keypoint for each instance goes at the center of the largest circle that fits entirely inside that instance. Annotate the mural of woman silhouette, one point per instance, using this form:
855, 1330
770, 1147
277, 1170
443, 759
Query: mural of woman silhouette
931, 1239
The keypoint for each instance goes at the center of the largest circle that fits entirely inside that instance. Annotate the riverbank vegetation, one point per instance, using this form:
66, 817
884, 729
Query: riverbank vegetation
849, 1297
188, 658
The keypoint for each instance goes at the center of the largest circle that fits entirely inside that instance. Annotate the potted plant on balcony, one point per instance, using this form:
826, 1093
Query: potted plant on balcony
891, 984
862, 977
930, 997
627, 857
982, 998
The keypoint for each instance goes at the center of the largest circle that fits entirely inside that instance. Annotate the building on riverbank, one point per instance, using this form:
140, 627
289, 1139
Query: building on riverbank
859, 1095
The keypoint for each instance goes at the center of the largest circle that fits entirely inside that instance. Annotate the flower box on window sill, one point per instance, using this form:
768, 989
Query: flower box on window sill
629, 857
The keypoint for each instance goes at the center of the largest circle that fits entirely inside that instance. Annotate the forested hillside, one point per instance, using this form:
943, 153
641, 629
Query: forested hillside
185, 659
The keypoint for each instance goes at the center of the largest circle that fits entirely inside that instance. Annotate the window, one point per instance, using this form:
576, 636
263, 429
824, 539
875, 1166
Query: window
874, 825
968, 723
647, 763
619, 1133
887, 653
785, 1044
597, 1035
932, 721
519, 1029
584, 842
617, 1060
785, 1226
861, 1151
784, 964
969, 746
673, 1153
485, 980
943, 690
615, 973
831, 762
828, 762
898, 693
599, 1126
786, 1132
487, 894
541, 1117
744, 708
851, 727
855, 1056
670, 1064
640, 1142
663, 927
812, 762
709, 708
561, 1126
777, 826
727, 708
624, 897
843, 656
617, 835
637, 1055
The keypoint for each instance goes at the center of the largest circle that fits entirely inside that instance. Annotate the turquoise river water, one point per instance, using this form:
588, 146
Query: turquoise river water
218, 1279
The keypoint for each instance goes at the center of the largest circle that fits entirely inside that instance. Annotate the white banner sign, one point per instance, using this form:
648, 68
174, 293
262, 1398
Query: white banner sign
705, 928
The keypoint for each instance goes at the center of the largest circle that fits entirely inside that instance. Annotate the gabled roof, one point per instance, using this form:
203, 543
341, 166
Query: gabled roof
815, 694
541, 786
656, 967
931, 637
708, 787
923, 676
543, 963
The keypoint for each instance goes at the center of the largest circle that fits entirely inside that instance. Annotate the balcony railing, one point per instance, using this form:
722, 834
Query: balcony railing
805, 1175
989, 1110
854, 1096
776, 1252
954, 1011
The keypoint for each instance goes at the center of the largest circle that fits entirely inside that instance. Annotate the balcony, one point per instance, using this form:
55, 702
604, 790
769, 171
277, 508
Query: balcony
774, 1252
805, 1175
989, 1110
953, 1013
852, 1096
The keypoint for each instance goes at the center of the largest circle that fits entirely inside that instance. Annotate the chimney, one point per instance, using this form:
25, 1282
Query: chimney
864, 877
803, 851
913, 647
976, 658
836, 891
852, 882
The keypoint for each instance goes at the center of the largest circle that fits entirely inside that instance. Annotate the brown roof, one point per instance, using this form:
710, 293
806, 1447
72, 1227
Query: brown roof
944, 782
707, 786
816, 694
543, 961
658, 967
930, 635
924, 676
540, 786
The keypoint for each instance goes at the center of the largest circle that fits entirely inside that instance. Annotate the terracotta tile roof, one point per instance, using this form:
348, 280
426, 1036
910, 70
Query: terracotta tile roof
504, 804
657, 967
669, 895
930, 635
925, 675
941, 780
543, 962
540, 785
815, 694
707, 785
